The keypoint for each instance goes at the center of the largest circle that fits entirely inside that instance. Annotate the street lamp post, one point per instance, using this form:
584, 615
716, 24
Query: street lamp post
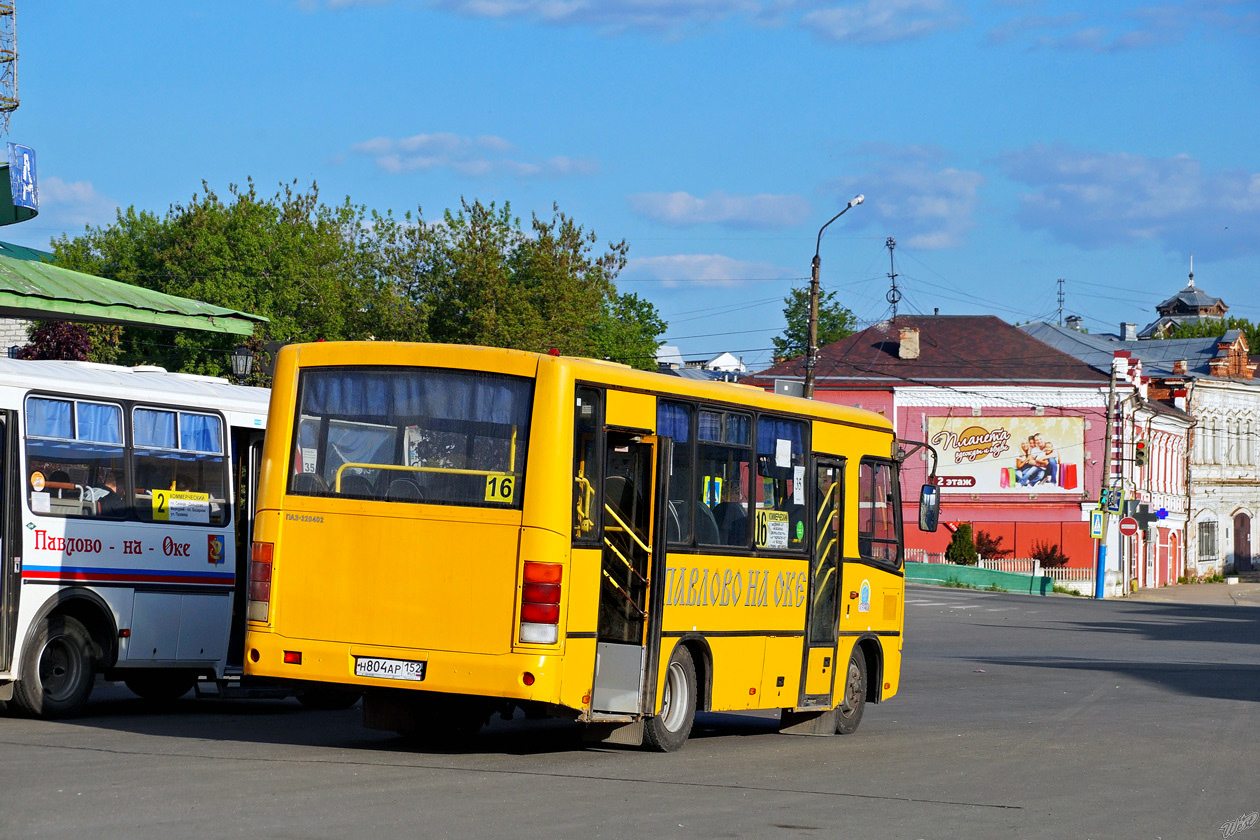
811, 354
242, 358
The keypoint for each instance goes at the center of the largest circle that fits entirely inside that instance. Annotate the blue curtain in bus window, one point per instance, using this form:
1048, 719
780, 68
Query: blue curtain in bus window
49, 418
737, 429
770, 430
154, 428
100, 423
474, 397
710, 426
357, 443
200, 432
673, 421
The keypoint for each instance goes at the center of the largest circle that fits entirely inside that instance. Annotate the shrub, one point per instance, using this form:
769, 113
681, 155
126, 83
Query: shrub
988, 545
1048, 554
962, 548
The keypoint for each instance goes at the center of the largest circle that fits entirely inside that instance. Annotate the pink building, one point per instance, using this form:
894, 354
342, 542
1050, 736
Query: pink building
1020, 428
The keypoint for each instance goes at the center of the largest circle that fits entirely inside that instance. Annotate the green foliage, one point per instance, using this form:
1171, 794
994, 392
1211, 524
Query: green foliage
338, 272
962, 547
1216, 327
1211, 577
834, 323
988, 545
627, 331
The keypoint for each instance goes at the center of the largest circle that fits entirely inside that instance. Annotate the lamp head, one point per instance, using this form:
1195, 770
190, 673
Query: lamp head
856, 200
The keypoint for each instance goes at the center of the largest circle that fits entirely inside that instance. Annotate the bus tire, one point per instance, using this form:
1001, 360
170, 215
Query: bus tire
668, 731
853, 701
56, 677
161, 686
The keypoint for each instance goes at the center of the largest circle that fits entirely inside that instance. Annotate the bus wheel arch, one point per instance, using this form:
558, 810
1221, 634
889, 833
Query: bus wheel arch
90, 610
702, 660
668, 731
874, 656
71, 638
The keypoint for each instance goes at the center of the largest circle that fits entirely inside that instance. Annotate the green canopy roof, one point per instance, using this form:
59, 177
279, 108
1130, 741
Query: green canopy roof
33, 288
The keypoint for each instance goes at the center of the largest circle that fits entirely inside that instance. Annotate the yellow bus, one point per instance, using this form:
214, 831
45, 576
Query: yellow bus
455, 531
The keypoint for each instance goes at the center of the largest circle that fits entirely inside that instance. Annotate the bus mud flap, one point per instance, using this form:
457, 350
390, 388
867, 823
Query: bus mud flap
808, 723
626, 734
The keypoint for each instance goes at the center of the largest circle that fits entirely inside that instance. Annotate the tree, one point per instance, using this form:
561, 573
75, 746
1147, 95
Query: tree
834, 323
962, 547
311, 268
59, 340
490, 283
338, 272
1215, 328
628, 331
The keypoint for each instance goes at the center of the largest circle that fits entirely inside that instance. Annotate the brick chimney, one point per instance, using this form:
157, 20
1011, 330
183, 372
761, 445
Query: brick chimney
1128, 331
1179, 367
908, 343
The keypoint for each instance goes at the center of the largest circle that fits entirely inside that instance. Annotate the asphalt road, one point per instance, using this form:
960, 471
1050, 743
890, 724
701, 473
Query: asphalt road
1018, 717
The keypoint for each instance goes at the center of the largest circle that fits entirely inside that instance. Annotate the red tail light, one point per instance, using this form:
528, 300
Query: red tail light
258, 597
540, 603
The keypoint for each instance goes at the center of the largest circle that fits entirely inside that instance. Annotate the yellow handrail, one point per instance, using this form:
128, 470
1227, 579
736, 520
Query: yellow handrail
609, 510
397, 468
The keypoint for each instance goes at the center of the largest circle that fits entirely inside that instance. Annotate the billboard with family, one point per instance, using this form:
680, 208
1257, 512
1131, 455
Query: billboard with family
1009, 454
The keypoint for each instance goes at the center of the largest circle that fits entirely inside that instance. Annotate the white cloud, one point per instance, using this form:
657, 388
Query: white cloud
738, 211
882, 21
609, 15
702, 269
1092, 200
1109, 29
475, 157
926, 207
73, 205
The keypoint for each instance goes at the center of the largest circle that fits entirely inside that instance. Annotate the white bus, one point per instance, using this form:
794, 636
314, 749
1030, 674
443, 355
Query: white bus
126, 513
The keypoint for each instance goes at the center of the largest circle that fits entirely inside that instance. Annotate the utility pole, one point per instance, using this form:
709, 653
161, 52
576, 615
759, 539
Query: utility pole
811, 353
1060, 281
894, 294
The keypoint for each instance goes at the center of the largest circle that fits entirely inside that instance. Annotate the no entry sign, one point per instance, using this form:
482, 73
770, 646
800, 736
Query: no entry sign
1128, 526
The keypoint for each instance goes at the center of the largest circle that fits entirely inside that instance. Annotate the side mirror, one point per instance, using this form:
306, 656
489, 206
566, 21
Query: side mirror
929, 507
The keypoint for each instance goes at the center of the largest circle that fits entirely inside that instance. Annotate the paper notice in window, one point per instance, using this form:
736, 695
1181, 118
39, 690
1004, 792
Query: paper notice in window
782, 452
309, 456
798, 485
41, 502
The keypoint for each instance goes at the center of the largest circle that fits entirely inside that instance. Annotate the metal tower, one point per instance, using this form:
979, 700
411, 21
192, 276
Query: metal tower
8, 62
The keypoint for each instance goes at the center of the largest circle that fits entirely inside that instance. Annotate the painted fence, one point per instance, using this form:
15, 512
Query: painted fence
1078, 580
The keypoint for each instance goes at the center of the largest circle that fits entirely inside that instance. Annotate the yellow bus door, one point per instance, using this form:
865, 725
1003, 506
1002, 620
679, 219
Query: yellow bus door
624, 681
818, 677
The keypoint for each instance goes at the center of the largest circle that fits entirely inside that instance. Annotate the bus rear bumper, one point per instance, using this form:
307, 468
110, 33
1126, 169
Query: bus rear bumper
508, 676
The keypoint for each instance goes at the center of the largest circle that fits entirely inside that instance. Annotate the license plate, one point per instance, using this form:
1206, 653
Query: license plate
388, 669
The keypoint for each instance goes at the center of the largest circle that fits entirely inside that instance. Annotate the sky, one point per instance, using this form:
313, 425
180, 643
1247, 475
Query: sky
1003, 145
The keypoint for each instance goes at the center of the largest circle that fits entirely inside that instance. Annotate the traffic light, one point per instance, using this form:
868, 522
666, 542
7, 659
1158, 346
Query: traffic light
1139, 453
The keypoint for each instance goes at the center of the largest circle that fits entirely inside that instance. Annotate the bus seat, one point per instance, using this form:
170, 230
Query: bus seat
732, 522
619, 492
707, 532
357, 485
309, 483
404, 490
